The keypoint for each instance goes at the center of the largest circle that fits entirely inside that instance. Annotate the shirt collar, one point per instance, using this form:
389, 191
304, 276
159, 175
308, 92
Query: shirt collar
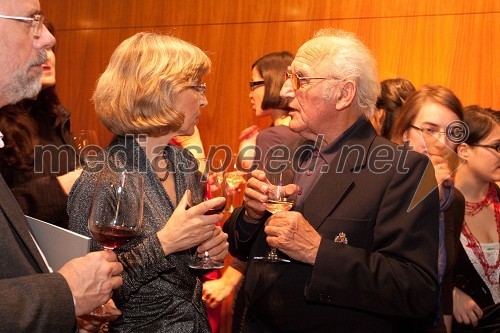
328, 151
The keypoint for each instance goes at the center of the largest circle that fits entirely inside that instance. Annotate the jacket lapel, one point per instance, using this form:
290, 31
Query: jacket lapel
320, 203
16, 219
337, 182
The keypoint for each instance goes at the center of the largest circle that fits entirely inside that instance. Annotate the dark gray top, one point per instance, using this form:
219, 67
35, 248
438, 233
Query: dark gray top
159, 293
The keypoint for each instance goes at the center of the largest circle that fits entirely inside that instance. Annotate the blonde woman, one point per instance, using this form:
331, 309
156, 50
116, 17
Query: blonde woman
151, 92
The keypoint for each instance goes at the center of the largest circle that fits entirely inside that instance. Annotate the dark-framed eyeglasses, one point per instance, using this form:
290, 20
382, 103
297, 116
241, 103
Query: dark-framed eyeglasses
298, 80
255, 84
201, 88
495, 147
36, 22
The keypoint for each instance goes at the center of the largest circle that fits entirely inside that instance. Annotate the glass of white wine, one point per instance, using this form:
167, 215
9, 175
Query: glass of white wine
281, 194
235, 180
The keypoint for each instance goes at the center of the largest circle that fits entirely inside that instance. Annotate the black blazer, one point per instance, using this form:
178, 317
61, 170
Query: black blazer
384, 279
32, 300
453, 221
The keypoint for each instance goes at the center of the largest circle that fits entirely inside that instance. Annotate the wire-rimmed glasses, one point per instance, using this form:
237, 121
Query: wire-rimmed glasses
201, 88
36, 22
297, 79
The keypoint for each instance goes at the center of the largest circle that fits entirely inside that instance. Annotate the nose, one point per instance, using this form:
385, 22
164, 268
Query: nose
439, 141
287, 90
45, 41
203, 101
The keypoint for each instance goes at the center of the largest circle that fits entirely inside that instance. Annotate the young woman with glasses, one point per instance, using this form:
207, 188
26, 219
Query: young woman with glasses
429, 122
267, 81
476, 297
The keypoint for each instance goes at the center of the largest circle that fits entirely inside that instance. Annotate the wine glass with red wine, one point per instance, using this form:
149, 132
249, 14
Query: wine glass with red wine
116, 213
208, 184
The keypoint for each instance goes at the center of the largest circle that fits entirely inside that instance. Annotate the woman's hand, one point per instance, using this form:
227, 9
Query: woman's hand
216, 291
188, 227
217, 245
91, 323
443, 173
465, 309
256, 195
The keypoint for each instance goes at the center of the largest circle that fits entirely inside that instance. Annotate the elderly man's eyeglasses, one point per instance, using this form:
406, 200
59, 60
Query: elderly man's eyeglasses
494, 147
255, 84
36, 22
201, 88
297, 80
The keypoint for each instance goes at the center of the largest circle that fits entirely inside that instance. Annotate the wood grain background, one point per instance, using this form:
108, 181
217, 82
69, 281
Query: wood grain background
454, 43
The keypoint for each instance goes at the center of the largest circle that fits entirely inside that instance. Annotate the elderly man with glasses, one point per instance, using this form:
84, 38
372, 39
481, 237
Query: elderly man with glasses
362, 237
32, 298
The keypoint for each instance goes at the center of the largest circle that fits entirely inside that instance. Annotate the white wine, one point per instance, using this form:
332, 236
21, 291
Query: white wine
274, 206
234, 179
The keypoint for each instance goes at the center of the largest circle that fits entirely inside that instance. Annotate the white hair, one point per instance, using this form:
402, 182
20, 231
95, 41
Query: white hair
352, 60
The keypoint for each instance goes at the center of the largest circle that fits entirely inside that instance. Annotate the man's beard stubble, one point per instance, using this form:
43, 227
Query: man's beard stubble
25, 83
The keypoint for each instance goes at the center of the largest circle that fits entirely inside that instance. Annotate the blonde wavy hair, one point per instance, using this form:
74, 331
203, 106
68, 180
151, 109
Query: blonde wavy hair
136, 93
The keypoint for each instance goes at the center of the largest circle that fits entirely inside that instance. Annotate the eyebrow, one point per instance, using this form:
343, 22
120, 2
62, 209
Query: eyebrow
34, 12
430, 124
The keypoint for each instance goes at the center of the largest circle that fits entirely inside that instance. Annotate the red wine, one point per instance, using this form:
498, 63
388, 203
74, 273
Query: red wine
214, 211
200, 271
112, 237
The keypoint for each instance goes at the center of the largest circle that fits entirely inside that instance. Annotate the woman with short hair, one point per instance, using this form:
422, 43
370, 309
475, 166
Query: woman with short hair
150, 92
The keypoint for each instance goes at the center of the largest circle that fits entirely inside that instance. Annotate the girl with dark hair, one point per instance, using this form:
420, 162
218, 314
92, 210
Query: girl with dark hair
267, 79
40, 178
476, 297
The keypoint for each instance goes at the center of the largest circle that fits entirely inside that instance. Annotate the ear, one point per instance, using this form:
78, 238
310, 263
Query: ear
346, 95
405, 136
463, 150
379, 116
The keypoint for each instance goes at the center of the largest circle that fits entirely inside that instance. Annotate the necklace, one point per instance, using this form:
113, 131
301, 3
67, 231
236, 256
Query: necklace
472, 209
167, 167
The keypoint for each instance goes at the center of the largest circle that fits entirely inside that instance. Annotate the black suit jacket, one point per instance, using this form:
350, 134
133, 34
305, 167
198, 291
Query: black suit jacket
31, 299
384, 279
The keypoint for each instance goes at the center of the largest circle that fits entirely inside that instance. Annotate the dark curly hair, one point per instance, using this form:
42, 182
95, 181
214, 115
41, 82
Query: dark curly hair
18, 123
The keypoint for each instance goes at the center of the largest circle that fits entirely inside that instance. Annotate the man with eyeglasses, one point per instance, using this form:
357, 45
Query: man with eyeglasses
32, 299
362, 244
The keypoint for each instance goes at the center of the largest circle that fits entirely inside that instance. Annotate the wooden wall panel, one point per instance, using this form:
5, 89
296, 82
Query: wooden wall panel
456, 50
455, 43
